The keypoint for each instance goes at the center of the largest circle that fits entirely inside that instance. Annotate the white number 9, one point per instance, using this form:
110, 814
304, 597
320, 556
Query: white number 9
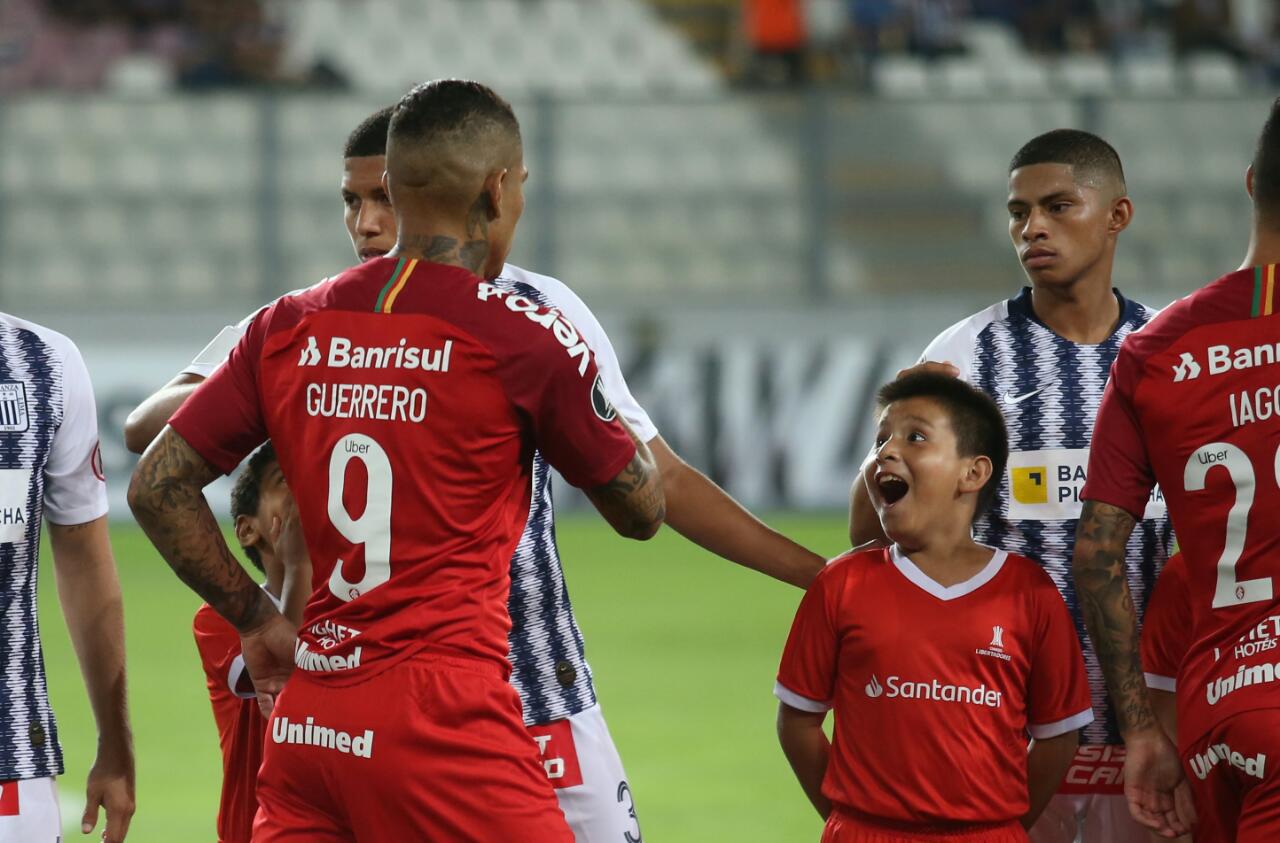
373, 527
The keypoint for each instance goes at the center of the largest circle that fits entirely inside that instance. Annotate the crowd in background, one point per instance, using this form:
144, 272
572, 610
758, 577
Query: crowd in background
78, 45
784, 36
83, 45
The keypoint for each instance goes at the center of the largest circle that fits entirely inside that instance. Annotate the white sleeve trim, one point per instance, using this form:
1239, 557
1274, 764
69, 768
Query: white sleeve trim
955, 344
1161, 683
1045, 731
791, 698
233, 678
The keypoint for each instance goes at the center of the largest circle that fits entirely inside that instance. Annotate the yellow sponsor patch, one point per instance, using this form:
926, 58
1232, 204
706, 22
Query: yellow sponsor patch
1029, 484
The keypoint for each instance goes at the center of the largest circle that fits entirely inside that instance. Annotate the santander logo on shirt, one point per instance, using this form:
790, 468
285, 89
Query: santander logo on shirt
895, 687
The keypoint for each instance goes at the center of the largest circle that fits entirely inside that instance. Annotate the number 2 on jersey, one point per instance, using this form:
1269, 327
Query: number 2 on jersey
1230, 591
373, 527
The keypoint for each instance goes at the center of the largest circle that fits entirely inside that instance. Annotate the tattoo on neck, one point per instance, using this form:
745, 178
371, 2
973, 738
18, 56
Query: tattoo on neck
438, 249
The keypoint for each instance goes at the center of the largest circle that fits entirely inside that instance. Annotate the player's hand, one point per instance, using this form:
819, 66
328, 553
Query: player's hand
111, 786
935, 367
268, 655
1158, 793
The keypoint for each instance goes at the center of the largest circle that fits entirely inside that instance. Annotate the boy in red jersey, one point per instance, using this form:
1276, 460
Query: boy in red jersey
261, 506
1192, 405
938, 654
412, 394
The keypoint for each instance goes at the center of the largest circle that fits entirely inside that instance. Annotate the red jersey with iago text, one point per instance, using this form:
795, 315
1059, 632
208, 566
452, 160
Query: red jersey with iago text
935, 689
1194, 405
405, 399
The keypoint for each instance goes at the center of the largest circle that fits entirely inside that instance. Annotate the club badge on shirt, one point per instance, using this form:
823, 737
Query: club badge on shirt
13, 407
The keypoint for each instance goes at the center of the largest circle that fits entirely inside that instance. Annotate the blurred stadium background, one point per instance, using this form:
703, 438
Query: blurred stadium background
771, 204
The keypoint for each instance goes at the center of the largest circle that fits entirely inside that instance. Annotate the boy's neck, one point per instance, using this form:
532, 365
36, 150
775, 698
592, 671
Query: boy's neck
947, 558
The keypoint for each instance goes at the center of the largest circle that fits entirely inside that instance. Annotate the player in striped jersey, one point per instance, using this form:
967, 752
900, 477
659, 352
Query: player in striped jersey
1044, 355
547, 652
51, 470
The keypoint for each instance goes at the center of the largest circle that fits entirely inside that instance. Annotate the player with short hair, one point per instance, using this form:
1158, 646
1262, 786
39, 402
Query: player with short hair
1192, 406
932, 717
1044, 356
265, 522
412, 393
51, 472
547, 651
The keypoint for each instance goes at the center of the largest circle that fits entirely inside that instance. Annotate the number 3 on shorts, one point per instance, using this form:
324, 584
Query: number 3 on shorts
373, 527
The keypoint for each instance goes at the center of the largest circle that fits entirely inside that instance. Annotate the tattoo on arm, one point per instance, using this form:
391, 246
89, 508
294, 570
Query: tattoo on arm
167, 498
633, 502
1103, 590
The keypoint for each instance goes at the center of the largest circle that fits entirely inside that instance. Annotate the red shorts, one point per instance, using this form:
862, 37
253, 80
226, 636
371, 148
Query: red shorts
432, 748
846, 827
1232, 771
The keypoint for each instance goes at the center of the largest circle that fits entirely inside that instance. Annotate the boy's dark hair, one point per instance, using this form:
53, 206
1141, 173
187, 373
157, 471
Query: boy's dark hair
245, 493
1266, 169
1084, 152
370, 137
976, 420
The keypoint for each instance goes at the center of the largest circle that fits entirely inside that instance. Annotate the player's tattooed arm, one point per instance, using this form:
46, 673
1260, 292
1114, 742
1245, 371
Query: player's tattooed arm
1109, 614
166, 495
633, 502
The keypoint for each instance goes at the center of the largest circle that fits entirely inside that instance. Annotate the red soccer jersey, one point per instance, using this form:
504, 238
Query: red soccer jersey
1167, 627
934, 689
1192, 404
241, 727
405, 400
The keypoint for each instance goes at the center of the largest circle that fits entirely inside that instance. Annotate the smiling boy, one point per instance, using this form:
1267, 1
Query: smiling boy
938, 654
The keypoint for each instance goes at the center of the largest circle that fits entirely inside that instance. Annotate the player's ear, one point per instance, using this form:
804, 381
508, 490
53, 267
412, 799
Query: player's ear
1248, 180
1121, 215
493, 189
976, 475
247, 532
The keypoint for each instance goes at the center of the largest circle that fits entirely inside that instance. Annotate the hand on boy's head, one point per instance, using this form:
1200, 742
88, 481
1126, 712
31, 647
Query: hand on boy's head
937, 367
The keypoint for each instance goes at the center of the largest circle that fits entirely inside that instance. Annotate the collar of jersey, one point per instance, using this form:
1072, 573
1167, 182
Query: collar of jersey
1021, 305
923, 581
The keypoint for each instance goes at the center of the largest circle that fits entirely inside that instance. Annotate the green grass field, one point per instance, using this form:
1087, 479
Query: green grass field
684, 647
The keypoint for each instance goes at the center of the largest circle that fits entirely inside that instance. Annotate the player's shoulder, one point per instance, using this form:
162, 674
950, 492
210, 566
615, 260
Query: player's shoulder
956, 344
552, 292
1228, 299
52, 342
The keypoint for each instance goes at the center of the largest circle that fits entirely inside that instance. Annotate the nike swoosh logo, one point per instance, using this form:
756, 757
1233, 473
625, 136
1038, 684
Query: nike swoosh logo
1011, 400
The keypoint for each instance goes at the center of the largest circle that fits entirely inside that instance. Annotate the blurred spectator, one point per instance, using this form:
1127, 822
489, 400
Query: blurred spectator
777, 41
230, 44
1204, 25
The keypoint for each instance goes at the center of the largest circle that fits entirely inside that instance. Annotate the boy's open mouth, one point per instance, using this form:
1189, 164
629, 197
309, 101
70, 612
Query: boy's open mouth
892, 488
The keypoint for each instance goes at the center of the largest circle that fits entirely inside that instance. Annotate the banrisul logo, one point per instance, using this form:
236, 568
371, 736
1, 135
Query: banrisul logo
310, 354
1187, 368
874, 688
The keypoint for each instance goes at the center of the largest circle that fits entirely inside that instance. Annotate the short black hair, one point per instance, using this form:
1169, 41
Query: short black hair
976, 420
247, 490
370, 137
452, 108
1083, 151
1266, 168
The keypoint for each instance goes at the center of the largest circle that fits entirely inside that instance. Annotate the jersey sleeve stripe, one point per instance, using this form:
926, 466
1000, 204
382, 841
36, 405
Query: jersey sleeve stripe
791, 698
1051, 730
1161, 683
234, 674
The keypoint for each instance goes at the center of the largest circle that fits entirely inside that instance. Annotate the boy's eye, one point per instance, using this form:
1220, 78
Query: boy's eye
880, 440
916, 436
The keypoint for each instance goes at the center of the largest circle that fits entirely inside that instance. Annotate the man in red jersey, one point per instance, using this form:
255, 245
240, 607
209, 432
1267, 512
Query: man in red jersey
264, 519
1165, 640
412, 393
1192, 405
932, 716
